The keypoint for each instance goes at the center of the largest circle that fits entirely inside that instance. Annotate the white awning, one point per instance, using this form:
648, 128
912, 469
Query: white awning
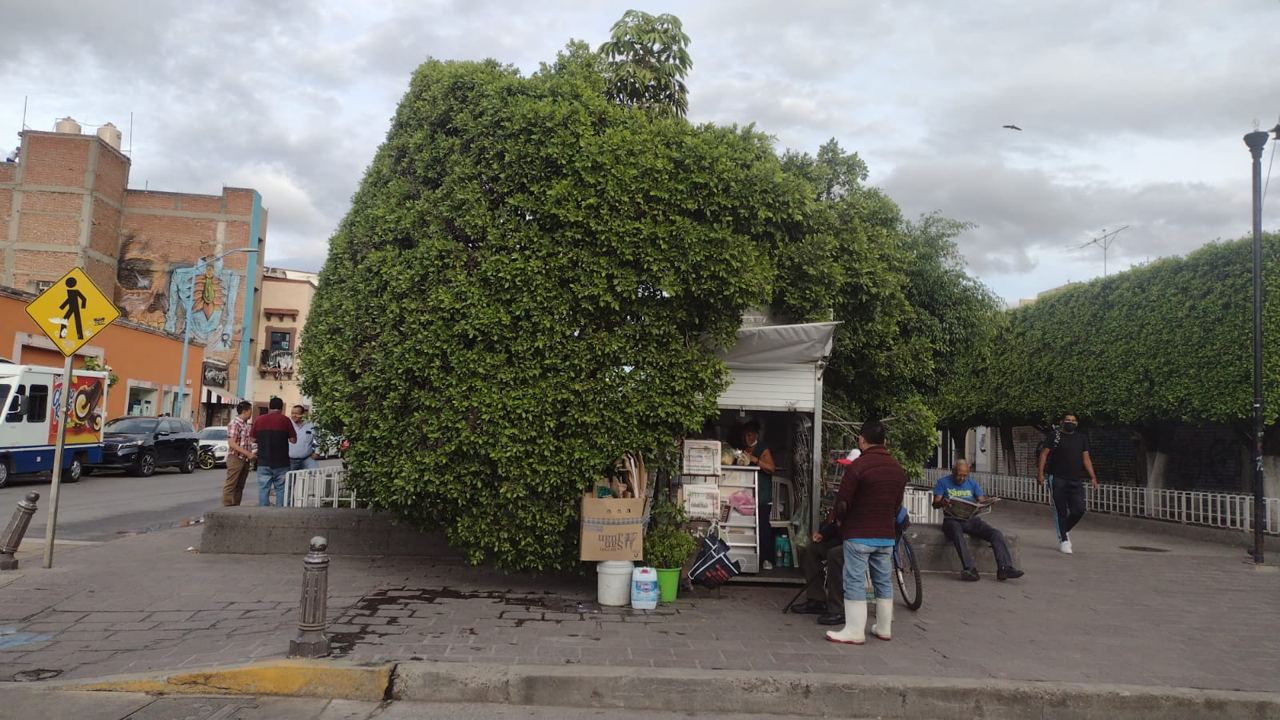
776, 346
214, 396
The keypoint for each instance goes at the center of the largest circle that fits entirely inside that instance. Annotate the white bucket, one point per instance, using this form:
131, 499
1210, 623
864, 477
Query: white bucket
644, 588
613, 582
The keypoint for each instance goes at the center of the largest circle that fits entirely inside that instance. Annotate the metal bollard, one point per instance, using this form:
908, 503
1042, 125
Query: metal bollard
12, 537
311, 641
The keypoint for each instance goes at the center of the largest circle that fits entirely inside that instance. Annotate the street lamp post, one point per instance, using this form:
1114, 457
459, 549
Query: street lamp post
186, 321
1255, 141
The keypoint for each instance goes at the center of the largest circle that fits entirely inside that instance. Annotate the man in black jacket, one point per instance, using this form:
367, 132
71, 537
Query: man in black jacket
1065, 456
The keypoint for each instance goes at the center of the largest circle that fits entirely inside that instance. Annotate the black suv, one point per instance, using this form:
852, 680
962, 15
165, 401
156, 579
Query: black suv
142, 444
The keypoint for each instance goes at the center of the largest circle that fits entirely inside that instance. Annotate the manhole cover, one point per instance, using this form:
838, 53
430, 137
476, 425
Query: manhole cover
35, 675
1143, 548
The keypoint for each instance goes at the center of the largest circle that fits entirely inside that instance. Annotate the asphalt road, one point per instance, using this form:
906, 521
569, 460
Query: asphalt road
108, 504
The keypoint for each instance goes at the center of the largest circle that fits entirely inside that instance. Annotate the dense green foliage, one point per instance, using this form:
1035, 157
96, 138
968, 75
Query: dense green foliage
1165, 342
530, 282
648, 58
536, 272
909, 312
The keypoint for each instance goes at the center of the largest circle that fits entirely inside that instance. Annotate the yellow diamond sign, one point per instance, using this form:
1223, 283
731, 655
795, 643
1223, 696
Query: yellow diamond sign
72, 311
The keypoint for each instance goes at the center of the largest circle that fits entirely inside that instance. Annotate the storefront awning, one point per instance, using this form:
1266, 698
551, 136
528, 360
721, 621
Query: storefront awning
216, 397
774, 346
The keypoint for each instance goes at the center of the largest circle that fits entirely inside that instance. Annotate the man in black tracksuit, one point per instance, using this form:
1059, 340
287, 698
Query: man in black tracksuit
1066, 458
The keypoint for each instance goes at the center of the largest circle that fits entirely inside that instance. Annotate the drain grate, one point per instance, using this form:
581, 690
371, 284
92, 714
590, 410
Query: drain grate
1143, 548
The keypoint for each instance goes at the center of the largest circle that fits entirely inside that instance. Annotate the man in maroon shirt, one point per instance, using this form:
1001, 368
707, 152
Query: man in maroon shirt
866, 509
273, 432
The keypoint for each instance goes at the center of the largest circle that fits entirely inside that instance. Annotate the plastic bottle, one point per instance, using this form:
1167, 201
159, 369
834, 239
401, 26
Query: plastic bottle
644, 588
786, 551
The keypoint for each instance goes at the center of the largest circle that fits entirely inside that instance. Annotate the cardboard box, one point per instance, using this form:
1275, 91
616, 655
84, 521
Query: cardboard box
701, 457
612, 529
701, 501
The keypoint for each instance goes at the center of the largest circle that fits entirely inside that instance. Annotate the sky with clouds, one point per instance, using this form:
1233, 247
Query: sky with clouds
1131, 111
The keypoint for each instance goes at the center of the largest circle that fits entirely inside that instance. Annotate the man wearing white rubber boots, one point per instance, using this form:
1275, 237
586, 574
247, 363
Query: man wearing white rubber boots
866, 509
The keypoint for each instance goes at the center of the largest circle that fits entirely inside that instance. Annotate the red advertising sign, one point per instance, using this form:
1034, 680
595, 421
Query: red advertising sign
84, 410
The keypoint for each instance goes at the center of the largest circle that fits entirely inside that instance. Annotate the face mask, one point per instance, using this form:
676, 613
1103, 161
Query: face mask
1068, 427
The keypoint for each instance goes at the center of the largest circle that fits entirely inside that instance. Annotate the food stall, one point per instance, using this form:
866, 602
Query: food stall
776, 384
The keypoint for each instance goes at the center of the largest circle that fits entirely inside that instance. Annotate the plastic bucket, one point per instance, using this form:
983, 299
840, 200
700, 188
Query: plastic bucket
613, 582
644, 588
668, 584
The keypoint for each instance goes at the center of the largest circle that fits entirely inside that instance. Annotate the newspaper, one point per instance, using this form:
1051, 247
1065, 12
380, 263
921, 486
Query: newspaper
962, 509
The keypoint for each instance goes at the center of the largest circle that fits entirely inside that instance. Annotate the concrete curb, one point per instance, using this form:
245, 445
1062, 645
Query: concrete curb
815, 694
682, 690
289, 678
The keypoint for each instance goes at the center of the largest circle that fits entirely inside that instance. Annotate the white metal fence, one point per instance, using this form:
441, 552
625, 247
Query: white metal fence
1189, 507
321, 487
920, 506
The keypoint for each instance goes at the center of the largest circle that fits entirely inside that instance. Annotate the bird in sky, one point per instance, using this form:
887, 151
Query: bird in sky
1012, 127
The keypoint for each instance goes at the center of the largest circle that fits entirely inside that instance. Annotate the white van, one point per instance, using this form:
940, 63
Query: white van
29, 427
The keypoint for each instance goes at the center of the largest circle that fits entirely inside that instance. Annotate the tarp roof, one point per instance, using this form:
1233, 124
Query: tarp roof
780, 345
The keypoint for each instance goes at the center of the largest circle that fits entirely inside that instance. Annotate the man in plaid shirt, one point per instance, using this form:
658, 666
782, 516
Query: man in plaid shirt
240, 454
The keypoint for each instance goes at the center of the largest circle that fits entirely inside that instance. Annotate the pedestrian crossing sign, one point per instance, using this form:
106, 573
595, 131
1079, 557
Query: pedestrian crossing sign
72, 311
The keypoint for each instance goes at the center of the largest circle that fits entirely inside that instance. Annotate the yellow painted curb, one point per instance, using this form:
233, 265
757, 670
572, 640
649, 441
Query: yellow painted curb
290, 678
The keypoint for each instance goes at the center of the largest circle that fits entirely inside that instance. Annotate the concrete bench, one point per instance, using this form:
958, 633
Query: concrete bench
935, 553
269, 530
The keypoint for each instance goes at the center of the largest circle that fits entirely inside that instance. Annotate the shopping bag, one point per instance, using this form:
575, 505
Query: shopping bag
713, 567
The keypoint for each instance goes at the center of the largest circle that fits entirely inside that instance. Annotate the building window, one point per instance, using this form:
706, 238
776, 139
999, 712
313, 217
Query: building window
37, 404
280, 341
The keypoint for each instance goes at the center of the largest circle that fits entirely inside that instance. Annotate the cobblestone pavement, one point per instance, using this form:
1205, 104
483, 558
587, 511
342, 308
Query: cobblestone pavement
1179, 613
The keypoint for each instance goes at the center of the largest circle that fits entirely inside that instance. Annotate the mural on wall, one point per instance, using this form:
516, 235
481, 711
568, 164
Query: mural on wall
211, 292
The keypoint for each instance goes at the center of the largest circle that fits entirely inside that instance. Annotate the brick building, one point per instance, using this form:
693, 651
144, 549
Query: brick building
66, 203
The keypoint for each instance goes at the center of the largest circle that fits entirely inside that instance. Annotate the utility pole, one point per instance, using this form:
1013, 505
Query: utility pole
1104, 241
1256, 140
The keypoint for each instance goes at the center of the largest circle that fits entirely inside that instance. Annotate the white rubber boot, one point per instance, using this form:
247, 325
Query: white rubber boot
884, 618
855, 624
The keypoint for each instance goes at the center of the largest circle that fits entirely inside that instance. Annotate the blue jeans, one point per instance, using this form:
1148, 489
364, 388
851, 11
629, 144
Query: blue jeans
856, 558
269, 478
303, 463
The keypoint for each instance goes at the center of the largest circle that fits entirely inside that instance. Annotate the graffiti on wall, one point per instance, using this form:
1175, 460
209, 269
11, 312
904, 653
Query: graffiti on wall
210, 293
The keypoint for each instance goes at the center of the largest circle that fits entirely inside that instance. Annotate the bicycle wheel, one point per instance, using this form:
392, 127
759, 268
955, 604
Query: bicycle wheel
907, 572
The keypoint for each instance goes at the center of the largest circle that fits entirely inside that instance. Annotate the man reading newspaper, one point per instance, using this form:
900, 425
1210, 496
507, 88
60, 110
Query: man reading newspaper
962, 502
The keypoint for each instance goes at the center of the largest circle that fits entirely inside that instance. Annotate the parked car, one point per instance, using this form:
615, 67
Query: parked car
142, 444
214, 439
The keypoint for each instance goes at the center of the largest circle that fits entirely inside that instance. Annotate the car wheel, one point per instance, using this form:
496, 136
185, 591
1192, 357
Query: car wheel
4, 472
188, 465
74, 472
206, 461
145, 465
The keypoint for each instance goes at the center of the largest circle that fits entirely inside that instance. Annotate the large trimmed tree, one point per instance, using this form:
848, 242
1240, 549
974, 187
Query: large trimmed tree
531, 281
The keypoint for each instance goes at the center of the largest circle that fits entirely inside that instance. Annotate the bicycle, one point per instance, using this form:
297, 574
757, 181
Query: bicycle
906, 571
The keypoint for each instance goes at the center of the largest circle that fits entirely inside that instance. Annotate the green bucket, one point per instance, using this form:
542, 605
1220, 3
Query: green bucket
668, 584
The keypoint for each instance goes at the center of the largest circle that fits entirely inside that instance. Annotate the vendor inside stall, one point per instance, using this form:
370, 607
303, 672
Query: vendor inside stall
756, 453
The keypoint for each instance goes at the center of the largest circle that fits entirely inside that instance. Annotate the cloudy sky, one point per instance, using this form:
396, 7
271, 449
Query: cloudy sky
1132, 112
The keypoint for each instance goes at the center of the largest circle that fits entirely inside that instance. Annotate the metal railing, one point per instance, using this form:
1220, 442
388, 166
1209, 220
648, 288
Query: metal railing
1228, 511
920, 507
321, 487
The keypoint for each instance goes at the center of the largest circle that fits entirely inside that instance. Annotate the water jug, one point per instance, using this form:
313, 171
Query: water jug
644, 588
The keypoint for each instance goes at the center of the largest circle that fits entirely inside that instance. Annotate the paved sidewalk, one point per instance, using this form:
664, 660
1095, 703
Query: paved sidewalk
22, 703
1194, 615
